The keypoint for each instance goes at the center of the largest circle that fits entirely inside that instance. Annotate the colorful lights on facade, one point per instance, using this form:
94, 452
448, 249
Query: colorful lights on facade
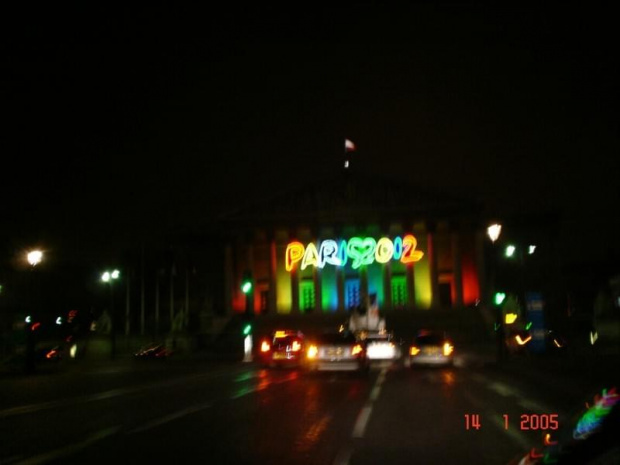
360, 251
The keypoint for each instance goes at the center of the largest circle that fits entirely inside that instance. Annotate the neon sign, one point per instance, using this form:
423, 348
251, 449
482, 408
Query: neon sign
361, 251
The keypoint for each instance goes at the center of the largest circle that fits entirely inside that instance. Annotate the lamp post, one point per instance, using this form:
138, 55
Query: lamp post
494, 231
109, 277
33, 257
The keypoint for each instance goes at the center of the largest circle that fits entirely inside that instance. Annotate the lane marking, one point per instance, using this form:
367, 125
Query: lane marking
503, 389
374, 395
361, 422
71, 449
344, 455
171, 417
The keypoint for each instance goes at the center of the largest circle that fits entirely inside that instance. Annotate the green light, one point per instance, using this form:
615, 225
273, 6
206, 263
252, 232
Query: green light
510, 250
247, 330
246, 287
528, 326
499, 297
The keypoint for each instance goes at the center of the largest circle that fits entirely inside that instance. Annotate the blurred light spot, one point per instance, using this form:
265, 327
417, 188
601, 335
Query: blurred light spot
510, 250
510, 318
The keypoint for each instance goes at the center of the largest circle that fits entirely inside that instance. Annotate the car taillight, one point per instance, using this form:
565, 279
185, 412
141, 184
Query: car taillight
265, 347
296, 346
447, 349
414, 350
312, 351
51, 354
357, 349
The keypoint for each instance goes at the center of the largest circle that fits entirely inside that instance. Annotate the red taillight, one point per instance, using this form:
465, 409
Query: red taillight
265, 347
357, 349
51, 354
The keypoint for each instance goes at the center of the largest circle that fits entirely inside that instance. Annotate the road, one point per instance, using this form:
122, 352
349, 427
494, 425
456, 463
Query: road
234, 412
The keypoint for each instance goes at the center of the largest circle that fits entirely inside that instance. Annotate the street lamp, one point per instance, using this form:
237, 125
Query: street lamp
34, 257
109, 277
494, 231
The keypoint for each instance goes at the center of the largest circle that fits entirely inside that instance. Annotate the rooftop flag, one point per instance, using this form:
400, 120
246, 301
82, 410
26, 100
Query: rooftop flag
349, 146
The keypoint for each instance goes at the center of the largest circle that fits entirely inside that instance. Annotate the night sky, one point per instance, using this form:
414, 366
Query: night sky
123, 124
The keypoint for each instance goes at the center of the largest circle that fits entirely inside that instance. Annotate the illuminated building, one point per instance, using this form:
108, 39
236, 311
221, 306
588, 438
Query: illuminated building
323, 247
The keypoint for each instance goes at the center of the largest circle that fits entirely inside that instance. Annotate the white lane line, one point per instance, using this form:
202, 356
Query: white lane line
344, 455
171, 417
31, 408
503, 389
361, 422
70, 449
374, 394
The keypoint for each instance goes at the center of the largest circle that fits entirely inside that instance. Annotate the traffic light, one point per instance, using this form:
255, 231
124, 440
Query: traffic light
247, 329
246, 283
499, 298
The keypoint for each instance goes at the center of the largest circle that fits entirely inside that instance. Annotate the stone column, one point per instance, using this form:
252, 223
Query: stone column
432, 264
273, 290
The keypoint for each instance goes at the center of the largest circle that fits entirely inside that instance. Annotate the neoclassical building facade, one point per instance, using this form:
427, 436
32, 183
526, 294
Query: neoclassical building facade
322, 248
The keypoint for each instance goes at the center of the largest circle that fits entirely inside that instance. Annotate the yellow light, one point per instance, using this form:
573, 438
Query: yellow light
384, 250
296, 347
280, 334
294, 253
264, 347
510, 318
410, 254
312, 351
414, 350
522, 342
447, 349
548, 441
357, 349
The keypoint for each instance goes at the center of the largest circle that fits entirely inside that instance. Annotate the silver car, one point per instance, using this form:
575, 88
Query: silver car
336, 352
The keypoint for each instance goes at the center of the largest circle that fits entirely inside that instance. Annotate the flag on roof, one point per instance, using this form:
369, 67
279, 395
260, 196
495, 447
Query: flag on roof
349, 146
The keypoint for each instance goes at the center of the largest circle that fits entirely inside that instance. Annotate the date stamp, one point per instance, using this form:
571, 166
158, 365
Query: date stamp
526, 422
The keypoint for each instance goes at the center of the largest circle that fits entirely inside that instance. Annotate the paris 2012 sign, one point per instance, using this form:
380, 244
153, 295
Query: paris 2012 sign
360, 250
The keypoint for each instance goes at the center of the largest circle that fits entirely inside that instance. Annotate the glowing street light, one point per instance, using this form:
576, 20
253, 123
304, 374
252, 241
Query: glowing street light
108, 276
494, 231
34, 257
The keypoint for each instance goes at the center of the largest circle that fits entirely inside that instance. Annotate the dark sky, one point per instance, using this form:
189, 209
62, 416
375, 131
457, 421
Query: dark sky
128, 122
